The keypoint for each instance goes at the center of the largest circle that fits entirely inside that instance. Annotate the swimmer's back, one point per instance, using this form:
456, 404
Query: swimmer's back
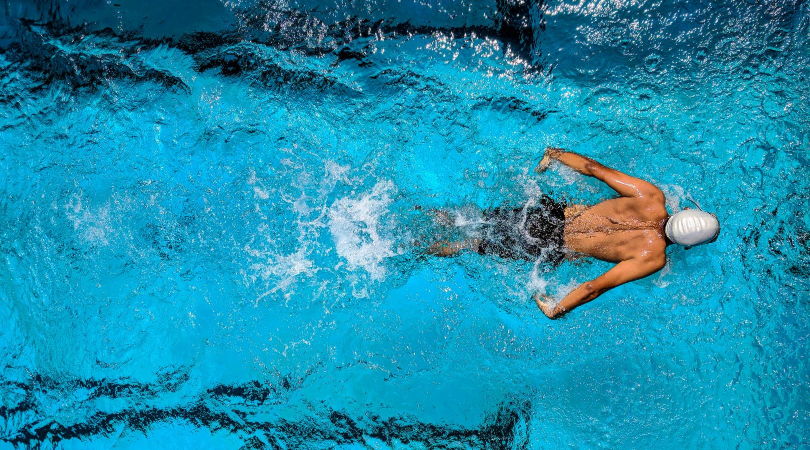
619, 229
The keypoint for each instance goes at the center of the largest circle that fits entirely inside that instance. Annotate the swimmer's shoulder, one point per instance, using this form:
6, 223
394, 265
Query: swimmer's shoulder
654, 251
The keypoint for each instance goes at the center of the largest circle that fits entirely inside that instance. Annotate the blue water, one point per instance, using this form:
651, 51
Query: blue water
208, 215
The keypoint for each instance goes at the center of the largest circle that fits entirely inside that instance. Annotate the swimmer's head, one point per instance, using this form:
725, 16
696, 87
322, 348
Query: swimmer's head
692, 227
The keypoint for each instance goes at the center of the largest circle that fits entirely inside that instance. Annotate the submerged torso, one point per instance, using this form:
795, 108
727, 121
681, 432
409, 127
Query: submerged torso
617, 229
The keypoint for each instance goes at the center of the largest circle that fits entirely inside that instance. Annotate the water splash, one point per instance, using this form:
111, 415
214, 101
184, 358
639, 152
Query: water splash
360, 230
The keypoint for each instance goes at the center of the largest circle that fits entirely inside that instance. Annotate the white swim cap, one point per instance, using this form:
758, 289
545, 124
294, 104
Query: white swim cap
692, 227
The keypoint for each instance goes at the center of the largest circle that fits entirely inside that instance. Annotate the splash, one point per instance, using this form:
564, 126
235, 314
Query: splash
538, 281
91, 224
673, 194
357, 229
284, 269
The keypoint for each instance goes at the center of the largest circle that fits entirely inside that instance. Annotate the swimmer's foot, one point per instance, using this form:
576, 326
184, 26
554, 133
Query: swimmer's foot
446, 248
443, 248
441, 217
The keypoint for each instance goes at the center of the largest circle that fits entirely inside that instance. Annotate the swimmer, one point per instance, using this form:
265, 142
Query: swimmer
632, 230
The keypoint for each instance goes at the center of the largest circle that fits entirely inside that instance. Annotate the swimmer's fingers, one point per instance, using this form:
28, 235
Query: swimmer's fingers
543, 165
544, 303
550, 153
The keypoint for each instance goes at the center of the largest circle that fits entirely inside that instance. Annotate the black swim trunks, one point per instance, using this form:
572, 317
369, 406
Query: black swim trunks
526, 233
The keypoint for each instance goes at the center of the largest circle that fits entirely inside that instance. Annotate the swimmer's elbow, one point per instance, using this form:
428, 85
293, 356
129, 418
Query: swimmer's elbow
650, 265
590, 167
592, 291
594, 169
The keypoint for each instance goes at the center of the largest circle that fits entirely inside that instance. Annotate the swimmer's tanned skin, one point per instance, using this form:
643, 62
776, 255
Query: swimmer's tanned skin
628, 230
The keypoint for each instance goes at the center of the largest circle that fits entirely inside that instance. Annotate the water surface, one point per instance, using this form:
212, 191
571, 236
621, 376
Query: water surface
209, 212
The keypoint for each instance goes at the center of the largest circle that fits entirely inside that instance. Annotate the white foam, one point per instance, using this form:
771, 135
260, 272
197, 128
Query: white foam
467, 216
258, 187
356, 229
531, 188
673, 194
284, 268
537, 283
569, 175
280, 271
334, 173
663, 280
92, 224
563, 290
566, 176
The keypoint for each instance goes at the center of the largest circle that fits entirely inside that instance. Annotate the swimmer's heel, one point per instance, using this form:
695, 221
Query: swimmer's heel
447, 249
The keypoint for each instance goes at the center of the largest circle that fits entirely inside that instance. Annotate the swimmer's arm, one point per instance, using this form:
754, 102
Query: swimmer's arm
621, 273
622, 183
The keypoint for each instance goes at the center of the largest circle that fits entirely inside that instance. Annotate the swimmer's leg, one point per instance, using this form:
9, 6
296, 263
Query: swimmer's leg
440, 216
446, 248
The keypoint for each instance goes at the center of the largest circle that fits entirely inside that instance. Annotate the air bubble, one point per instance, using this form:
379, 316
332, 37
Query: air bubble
652, 63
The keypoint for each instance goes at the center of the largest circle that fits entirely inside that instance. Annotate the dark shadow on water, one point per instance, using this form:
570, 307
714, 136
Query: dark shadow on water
230, 409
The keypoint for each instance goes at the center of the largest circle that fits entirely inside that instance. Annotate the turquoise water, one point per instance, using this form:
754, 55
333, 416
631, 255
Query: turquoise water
209, 211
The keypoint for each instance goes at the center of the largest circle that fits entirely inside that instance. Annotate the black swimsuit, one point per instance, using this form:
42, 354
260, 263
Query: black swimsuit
527, 233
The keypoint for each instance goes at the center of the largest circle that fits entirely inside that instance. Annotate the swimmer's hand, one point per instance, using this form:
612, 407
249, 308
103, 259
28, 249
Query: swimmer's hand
551, 153
544, 303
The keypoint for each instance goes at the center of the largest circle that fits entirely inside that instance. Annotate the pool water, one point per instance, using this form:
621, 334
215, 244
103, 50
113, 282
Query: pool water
213, 217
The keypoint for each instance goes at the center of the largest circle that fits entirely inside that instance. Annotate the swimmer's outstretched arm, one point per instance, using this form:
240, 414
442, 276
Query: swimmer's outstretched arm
622, 183
621, 273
